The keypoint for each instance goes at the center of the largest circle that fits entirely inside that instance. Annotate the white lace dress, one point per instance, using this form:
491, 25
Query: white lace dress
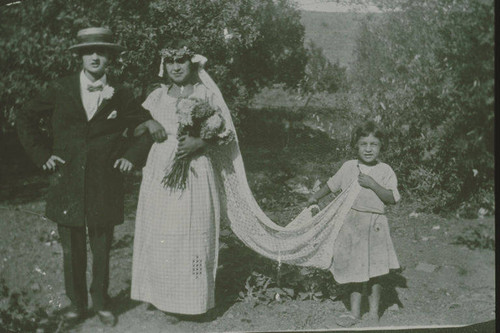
176, 232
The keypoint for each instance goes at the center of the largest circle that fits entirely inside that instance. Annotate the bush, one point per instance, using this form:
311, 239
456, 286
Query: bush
477, 237
248, 42
426, 72
320, 74
19, 313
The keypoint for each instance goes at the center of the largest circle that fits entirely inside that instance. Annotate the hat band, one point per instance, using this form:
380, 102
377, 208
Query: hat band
95, 38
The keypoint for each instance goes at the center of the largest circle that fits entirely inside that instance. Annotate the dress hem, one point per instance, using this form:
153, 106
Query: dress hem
164, 309
366, 280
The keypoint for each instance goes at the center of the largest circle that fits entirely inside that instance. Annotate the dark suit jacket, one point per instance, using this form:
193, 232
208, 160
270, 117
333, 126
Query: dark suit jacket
86, 189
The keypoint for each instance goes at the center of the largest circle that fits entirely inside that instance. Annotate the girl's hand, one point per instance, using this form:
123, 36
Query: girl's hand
312, 201
189, 145
366, 181
315, 211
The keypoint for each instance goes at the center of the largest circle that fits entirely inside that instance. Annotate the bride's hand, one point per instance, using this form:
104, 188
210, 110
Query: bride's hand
189, 145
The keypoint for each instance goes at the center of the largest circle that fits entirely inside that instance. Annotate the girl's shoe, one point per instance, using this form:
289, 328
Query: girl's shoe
347, 320
371, 321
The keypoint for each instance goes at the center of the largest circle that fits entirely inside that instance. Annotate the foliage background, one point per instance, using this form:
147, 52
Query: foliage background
426, 70
265, 38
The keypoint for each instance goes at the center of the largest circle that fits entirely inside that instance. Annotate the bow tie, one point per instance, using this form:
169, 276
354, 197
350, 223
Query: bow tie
92, 88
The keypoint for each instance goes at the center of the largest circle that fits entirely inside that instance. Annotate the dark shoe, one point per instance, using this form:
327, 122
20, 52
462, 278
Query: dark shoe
107, 302
107, 318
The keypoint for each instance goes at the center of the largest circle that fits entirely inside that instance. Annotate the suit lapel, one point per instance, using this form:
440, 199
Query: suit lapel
100, 109
74, 92
106, 103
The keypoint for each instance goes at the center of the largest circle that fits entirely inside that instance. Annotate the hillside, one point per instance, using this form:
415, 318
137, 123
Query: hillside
334, 32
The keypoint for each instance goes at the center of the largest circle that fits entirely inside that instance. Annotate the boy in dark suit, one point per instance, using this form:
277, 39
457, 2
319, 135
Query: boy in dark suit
88, 113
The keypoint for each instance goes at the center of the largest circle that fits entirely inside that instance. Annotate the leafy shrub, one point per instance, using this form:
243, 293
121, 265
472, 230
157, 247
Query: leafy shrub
19, 313
257, 280
425, 70
477, 237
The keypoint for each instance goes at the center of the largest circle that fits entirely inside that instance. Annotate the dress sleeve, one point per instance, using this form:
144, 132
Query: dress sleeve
152, 101
335, 182
391, 183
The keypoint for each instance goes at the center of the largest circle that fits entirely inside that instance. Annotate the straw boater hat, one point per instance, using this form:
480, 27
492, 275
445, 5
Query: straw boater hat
95, 37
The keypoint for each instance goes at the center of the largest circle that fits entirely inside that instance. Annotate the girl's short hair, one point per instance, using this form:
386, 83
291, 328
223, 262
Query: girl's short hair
365, 129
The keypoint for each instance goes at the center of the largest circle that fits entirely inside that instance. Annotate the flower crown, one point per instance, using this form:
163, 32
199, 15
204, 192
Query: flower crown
171, 54
176, 53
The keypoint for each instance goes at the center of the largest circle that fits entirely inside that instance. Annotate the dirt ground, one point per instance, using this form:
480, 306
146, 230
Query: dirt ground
441, 283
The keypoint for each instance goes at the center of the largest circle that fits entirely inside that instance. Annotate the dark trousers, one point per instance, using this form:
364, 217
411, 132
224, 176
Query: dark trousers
74, 244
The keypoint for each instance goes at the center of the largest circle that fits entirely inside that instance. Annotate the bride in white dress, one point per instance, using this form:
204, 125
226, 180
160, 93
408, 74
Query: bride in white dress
176, 232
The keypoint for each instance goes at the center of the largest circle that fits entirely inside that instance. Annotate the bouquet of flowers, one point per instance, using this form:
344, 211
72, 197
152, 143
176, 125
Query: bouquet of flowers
197, 118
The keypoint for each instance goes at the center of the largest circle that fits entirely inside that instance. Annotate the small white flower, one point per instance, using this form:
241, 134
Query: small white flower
482, 212
414, 214
38, 270
227, 35
475, 172
107, 92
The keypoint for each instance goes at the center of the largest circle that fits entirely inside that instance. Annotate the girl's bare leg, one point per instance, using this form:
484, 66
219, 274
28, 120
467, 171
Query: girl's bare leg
356, 296
354, 316
374, 300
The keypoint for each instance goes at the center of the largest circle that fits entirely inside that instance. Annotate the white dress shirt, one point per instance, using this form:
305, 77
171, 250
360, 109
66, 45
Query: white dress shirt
90, 100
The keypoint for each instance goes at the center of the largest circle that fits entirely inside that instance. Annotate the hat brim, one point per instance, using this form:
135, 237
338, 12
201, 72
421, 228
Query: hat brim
111, 46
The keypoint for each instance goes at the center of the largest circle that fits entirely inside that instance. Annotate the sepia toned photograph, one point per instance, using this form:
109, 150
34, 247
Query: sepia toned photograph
247, 165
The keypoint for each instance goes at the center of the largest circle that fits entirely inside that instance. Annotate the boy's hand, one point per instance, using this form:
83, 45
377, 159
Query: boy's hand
51, 163
124, 165
366, 181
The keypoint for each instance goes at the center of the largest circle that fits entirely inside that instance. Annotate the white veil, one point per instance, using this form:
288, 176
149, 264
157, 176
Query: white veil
306, 241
